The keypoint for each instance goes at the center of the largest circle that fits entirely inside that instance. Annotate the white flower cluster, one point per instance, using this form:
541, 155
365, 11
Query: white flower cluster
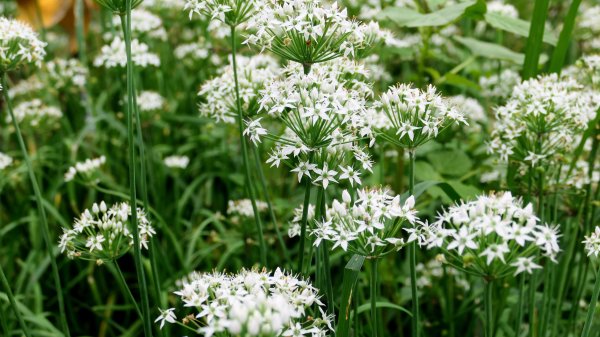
19, 45
175, 5
85, 168
101, 234
311, 31
499, 86
589, 70
589, 27
471, 109
63, 73
491, 236
251, 303
243, 207
592, 243
145, 23
502, 8
369, 226
230, 12
150, 101
194, 51
325, 113
5, 161
179, 162
295, 225
35, 112
114, 55
541, 119
368, 9
416, 116
28, 86
219, 100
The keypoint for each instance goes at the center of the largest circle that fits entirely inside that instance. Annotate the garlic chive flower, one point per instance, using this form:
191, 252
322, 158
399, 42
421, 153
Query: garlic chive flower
85, 169
369, 226
493, 236
541, 119
118, 7
114, 55
592, 243
178, 162
250, 303
100, 234
218, 94
499, 86
243, 207
145, 24
5, 161
416, 116
66, 73
325, 115
19, 45
294, 228
230, 12
35, 113
150, 101
310, 31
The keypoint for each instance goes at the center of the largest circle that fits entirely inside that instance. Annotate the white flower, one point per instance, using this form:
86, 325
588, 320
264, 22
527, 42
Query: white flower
244, 208
325, 175
525, 264
35, 113
5, 161
178, 162
105, 232
255, 130
85, 168
166, 316
304, 168
463, 239
150, 101
495, 251
351, 175
19, 45
114, 55
592, 243
368, 226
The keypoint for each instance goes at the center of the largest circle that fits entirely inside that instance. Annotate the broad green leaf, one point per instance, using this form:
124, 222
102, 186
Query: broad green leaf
490, 50
425, 186
460, 82
516, 26
450, 162
407, 17
351, 272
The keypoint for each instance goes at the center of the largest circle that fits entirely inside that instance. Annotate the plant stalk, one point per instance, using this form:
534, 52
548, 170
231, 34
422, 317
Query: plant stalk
13, 303
374, 283
416, 324
592, 308
42, 212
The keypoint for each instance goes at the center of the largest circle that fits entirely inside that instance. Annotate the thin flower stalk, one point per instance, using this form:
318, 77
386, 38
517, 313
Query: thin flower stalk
40, 205
131, 110
244, 145
13, 303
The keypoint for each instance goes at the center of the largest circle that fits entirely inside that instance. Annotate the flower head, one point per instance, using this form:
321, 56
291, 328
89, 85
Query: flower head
114, 55
101, 233
592, 243
19, 45
85, 169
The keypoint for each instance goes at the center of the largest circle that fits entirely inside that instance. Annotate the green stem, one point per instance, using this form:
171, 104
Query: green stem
126, 24
78, 12
303, 225
127, 290
592, 309
41, 210
416, 324
261, 238
532, 312
519, 318
263, 183
489, 315
533, 47
562, 47
13, 303
373, 285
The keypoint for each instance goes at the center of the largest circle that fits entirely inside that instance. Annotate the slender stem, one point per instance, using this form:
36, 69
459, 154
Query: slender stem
592, 309
13, 302
532, 312
416, 324
489, 315
126, 24
261, 238
78, 12
374, 284
519, 318
41, 210
303, 225
128, 291
263, 183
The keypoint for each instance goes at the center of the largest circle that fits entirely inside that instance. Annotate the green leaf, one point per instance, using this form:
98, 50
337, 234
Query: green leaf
351, 272
564, 41
516, 26
450, 162
460, 82
533, 48
424, 186
383, 304
407, 17
491, 50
